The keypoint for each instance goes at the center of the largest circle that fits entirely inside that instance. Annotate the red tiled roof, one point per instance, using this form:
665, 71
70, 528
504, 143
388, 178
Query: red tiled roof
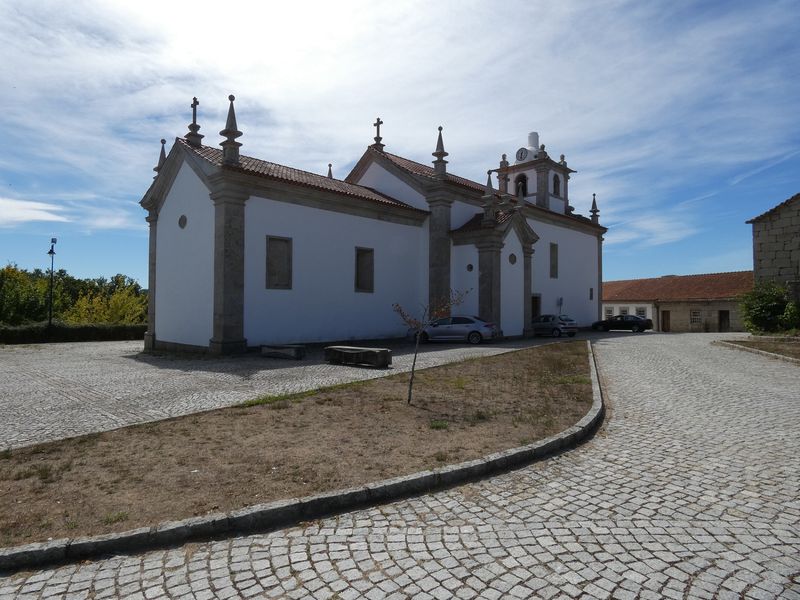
475, 222
416, 168
270, 170
794, 198
426, 171
712, 286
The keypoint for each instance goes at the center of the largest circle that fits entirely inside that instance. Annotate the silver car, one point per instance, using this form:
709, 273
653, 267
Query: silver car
554, 325
471, 329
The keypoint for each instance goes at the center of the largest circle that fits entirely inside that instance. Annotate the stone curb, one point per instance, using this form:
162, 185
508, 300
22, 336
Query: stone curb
788, 359
283, 513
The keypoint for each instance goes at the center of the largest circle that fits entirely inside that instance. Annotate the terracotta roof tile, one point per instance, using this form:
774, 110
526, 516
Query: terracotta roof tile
711, 286
426, 171
794, 198
475, 222
270, 170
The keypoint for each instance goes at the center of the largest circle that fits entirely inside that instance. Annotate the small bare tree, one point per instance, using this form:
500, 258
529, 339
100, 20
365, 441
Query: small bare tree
428, 314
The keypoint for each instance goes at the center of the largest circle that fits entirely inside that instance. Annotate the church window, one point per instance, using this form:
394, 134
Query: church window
521, 183
182, 221
365, 270
279, 263
591, 293
553, 261
470, 267
512, 258
556, 185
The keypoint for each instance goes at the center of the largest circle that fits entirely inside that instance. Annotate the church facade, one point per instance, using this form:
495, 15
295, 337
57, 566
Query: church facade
245, 252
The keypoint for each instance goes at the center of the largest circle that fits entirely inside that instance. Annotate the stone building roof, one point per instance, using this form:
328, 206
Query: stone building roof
270, 170
774, 209
710, 286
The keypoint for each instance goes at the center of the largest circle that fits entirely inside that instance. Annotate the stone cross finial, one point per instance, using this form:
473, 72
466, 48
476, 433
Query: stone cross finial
440, 164
162, 158
594, 211
230, 147
193, 137
330, 171
377, 124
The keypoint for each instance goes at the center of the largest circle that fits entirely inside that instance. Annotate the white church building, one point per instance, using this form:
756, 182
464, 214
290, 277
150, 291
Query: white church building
245, 252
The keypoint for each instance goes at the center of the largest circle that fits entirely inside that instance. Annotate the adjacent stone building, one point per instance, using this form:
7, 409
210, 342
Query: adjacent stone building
681, 303
246, 252
776, 244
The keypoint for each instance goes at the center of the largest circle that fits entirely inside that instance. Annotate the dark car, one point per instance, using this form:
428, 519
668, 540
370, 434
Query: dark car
627, 322
554, 325
471, 329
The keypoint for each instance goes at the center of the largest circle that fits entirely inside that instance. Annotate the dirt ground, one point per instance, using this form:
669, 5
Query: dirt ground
292, 446
790, 347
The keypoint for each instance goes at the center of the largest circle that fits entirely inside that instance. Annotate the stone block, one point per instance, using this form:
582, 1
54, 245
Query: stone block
352, 355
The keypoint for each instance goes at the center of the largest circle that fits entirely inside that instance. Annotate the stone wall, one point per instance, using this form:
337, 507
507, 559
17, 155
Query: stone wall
680, 315
776, 244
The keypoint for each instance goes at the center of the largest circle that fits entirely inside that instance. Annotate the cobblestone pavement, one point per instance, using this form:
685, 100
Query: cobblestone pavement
52, 391
690, 490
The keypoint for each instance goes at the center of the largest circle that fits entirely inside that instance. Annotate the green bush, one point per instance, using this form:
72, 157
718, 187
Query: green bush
791, 316
765, 307
63, 332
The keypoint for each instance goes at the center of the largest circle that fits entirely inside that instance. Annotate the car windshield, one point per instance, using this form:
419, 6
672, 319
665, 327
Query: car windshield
565, 318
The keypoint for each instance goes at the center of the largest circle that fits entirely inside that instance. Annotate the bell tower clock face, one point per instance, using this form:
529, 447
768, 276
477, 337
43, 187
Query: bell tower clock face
522, 154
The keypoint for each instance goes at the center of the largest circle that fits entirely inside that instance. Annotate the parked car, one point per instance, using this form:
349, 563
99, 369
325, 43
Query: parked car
628, 322
555, 325
471, 329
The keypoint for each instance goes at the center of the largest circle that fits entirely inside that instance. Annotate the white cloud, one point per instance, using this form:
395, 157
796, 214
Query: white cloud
16, 212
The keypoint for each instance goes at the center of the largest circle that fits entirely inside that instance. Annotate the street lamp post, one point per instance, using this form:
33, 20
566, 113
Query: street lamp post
52, 253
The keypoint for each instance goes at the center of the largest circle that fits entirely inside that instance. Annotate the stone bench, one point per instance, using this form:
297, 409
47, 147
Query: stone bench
351, 355
295, 351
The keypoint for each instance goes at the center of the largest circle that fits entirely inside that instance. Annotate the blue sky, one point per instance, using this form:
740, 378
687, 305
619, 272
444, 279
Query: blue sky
681, 116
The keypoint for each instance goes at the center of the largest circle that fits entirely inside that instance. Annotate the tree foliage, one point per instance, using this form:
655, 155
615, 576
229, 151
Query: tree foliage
24, 298
768, 307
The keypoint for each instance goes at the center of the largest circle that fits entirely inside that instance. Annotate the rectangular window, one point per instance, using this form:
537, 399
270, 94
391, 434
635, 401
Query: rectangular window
623, 310
641, 311
365, 270
553, 261
591, 293
279, 263
609, 312
694, 316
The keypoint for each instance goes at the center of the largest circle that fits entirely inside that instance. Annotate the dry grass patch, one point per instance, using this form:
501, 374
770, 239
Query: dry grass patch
290, 446
789, 347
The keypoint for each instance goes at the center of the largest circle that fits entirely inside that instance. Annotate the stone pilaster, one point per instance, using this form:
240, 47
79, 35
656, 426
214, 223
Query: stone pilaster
228, 325
527, 265
599, 295
489, 279
542, 186
150, 334
439, 249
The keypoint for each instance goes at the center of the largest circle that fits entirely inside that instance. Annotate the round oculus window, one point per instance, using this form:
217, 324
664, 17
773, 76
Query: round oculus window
470, 267
182, 221
512, 258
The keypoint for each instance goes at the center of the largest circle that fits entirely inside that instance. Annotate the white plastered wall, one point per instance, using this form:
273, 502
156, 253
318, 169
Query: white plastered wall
463, 280
577, 272
185, 263
512, 316
461, 212
380, 179
323, 304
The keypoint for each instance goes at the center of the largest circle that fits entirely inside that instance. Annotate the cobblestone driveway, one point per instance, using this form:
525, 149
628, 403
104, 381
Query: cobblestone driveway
52, 391
691, 490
